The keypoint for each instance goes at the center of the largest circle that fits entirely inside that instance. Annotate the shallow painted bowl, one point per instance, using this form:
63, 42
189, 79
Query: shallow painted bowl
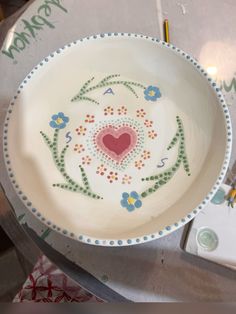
117, 139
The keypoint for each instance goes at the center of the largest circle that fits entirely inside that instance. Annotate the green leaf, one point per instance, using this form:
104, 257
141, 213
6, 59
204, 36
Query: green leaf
70, 184
46, 139
130, 89
173, 141
89, 99
108, 78
62, 156
84, 178
82, 90
86, 84
164, 177
103, 83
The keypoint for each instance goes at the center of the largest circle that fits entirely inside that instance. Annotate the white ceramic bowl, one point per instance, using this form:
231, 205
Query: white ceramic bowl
117, 139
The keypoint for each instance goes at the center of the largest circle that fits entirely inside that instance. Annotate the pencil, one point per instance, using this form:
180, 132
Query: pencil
166, 31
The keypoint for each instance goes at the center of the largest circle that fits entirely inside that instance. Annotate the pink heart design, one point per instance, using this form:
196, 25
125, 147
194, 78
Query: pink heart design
116, 143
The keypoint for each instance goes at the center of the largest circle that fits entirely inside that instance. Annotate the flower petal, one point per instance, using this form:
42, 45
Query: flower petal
154, 88
148, 88
130, 207
65, 119
138, 204
125, 195
54, 117
62, 125
134, 195
158, 93
124, 203
54, 125
153, 98
61, 115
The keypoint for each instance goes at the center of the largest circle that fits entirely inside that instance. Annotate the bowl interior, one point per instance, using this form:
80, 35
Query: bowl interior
187, 111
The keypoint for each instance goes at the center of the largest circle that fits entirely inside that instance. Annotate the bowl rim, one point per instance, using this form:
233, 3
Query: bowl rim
148, 237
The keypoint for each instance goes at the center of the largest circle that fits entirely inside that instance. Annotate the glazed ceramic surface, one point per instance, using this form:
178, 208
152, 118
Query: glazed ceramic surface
117, 139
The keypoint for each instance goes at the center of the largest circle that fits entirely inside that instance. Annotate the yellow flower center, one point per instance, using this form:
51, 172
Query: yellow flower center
59, 121
131, 200
151, 93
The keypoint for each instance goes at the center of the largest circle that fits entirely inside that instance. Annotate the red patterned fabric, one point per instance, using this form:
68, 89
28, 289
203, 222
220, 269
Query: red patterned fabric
48, 284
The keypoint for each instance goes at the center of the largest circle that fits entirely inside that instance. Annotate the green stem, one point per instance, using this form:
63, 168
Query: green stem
161, 179
77, 188
54, 149
104, 83
71, 185
111, 83
164, 177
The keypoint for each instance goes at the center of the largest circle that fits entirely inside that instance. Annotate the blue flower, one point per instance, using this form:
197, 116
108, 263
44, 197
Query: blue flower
152, 93
59, 121
130, 201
